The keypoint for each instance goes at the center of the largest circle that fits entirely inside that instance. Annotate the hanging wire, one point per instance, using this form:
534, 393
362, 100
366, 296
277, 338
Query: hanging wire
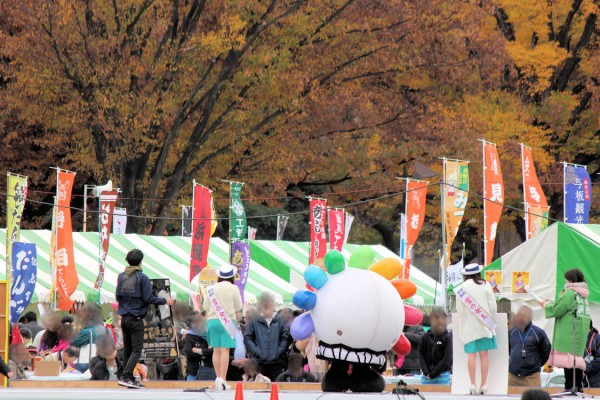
305, 212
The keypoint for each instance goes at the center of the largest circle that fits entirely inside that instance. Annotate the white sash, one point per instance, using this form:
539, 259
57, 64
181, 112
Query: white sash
482, 315
227, 322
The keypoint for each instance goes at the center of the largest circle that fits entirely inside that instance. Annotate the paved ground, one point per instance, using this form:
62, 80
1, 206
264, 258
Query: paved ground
160, 394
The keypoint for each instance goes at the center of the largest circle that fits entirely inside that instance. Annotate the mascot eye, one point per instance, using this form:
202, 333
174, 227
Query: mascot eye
339, 333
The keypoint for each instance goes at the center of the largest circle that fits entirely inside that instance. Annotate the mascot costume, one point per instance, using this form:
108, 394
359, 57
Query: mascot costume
357, 314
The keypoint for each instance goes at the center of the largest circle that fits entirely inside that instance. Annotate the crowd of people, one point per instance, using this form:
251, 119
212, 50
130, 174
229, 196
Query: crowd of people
220, 343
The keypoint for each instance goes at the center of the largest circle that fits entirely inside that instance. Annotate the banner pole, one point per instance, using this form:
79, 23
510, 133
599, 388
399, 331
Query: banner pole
444, 244
564, 193
483, 143
277, 234
54, 228
526, 211
405, 244
7, 267
99, 244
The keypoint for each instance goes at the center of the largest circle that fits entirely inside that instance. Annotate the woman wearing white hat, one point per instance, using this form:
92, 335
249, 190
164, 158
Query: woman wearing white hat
476, 308
223, 303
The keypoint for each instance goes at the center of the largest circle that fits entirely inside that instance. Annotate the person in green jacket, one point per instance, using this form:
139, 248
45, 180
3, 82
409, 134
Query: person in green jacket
570, 310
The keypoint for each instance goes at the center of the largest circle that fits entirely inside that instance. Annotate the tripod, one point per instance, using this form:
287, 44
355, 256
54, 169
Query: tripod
573, 391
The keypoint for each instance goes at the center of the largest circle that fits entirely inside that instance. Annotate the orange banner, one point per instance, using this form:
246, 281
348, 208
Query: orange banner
456, 177
493, 192
66, 272
416, 198
537, 219
532, 190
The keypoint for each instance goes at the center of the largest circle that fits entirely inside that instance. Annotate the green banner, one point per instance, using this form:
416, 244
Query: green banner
17, 193
238, 227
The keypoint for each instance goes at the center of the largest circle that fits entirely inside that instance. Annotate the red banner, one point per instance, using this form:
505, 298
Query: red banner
107, 200
336, 228
493, 192
416, 199
318, 238
532, 190
202, 214
66, 271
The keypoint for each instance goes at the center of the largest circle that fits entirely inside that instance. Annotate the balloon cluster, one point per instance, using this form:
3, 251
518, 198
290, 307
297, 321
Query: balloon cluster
337, 295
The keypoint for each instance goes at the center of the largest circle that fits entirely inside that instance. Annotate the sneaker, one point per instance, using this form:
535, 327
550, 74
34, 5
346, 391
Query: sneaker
225, 385
129, 384
218, 385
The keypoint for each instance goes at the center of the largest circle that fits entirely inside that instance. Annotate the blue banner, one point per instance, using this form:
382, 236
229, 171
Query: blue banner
24, 272
578, 194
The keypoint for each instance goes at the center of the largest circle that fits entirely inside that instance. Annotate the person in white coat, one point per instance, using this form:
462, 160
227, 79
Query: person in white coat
476, 308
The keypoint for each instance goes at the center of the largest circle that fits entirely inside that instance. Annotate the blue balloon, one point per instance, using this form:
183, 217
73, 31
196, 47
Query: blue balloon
305, 300
302, 327
315, 276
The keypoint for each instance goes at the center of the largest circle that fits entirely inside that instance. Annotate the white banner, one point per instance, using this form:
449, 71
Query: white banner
348, 225
119, 220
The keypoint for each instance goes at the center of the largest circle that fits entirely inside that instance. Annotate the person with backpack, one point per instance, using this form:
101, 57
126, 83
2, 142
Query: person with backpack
134, 295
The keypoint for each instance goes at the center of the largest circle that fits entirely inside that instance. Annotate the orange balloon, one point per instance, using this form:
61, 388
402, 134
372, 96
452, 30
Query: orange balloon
387, 267
405, 288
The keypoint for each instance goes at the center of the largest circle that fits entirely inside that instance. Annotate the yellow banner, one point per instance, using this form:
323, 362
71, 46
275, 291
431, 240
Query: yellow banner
17, 193
455, 192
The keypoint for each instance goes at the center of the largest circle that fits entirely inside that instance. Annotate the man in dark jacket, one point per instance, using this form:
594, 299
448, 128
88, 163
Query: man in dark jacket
266, 338
4, 369
435, 349
411, 366
592, 359
134, 295
529, 349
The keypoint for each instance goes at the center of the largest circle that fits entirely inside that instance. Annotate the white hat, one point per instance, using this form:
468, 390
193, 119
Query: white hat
472, 269
227, 271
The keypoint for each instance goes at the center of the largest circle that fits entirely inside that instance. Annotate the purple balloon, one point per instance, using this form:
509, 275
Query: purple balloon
302, 327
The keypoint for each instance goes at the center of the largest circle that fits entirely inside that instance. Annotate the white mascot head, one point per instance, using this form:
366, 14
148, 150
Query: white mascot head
356, 313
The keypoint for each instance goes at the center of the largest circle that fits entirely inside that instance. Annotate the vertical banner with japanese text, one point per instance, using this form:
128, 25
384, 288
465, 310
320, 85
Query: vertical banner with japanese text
186, 221
282, 221
577, 194
493, 193
15, 202
532, 192
238, 228
416, 199
347, 226
336, 228
66, 271
24, 265
240, 258
455, 193
201, 226
119, 224
107, 202
318, 236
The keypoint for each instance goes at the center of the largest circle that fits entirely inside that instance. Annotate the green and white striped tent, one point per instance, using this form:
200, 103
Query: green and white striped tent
165, 257
289, 259
276, 266
546, 257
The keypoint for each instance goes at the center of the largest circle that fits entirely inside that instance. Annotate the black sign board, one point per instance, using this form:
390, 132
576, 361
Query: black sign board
160, 338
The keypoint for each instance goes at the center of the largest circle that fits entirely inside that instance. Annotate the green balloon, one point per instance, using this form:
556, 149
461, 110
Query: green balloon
363, 257
334, 262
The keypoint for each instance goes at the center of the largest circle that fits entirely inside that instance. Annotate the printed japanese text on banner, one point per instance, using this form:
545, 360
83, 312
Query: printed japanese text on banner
416, 199
200, 230
494, 198
318, 236
336, 229
24, 264
455, 200
66, 271
578, 194
108, 200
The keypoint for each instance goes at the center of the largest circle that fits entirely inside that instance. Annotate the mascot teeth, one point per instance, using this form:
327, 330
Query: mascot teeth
342, 353
359, 310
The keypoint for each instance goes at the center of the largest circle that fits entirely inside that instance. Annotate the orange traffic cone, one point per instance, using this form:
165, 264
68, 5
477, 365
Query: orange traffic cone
239, 392
274, 392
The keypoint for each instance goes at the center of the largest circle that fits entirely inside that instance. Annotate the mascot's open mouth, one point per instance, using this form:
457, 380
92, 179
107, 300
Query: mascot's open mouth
344, 353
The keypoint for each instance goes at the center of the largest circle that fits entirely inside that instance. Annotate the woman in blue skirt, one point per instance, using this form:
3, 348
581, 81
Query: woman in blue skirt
476, 307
